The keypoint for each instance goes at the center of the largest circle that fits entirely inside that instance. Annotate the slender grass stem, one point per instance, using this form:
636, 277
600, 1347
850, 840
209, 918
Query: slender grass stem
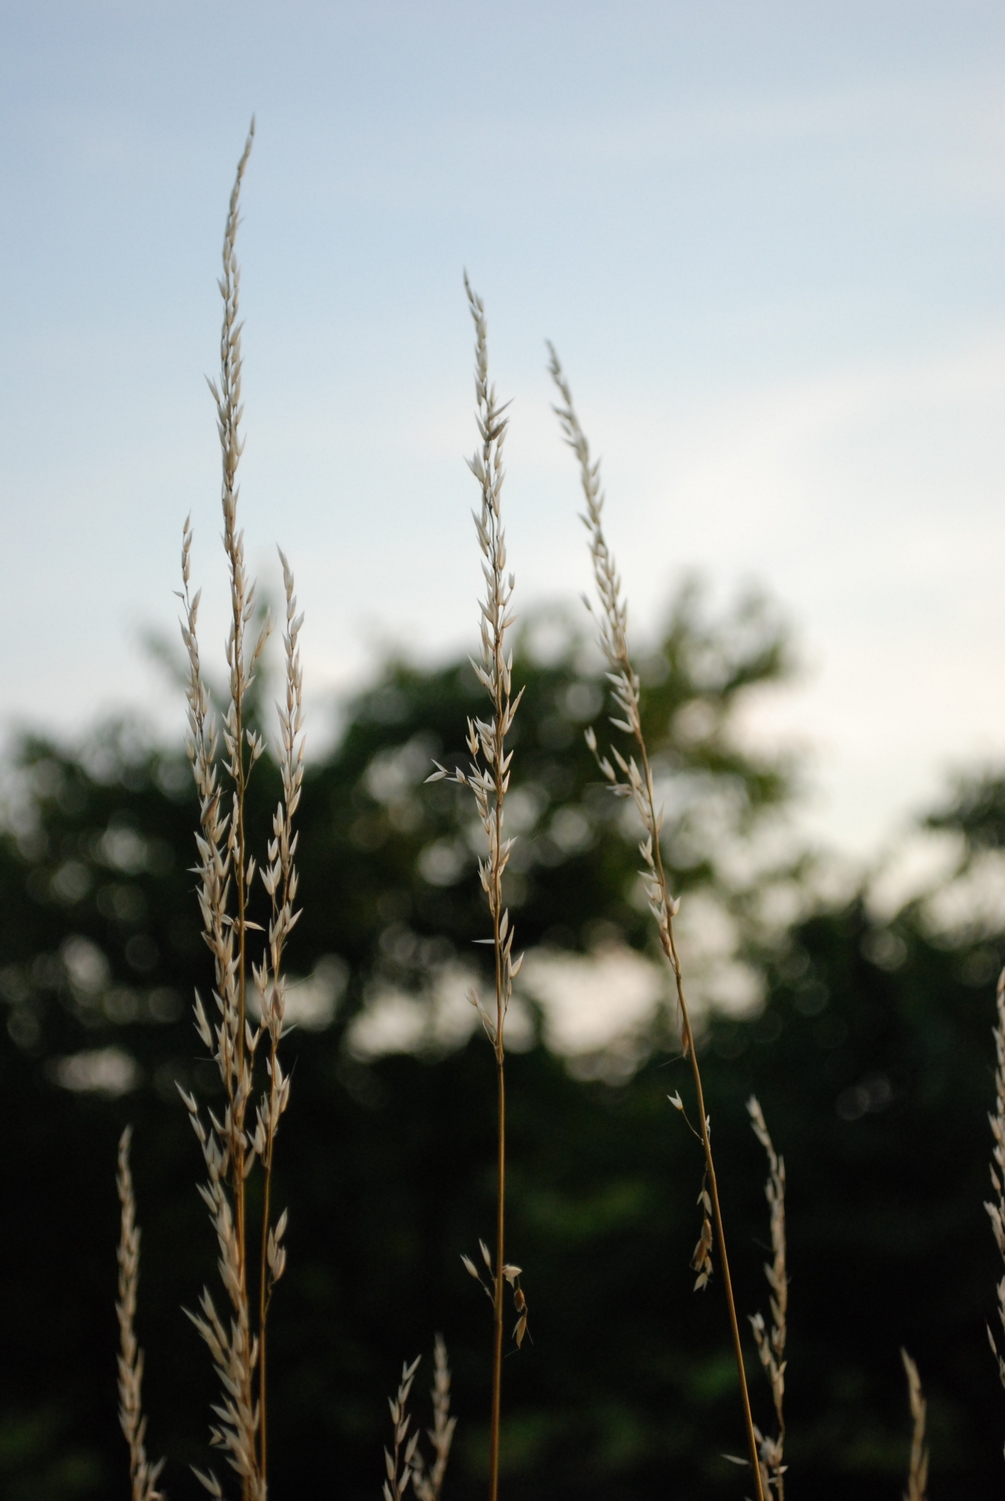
500, 1052
488, 778
687, 1038
633, 778
497, 1345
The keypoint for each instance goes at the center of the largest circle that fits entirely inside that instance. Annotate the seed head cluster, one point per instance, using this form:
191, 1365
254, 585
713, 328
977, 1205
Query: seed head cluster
771, 1345
917, 1476
629, 776
143, 1475
488, 776
240, 1024
404, 1462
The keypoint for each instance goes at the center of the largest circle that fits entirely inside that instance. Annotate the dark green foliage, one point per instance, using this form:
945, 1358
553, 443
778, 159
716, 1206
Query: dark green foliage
977, 810
872, 1059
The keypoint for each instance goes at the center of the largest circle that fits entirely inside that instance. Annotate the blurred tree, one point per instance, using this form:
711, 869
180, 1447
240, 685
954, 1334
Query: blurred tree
102, 933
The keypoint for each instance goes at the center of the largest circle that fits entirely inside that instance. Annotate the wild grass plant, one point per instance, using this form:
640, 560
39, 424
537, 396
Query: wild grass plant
243, 1026
405, 1462
632, 777
488, 778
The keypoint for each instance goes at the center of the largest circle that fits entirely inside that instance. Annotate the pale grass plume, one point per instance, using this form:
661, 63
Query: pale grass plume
996, 1206
631, 776
404, 1462
143, 1475
427, 1479
398, 1459
771, 1344
226, 872
488, 777
917, 1477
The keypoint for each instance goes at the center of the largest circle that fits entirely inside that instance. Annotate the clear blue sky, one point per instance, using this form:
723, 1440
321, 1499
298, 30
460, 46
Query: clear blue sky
766, 238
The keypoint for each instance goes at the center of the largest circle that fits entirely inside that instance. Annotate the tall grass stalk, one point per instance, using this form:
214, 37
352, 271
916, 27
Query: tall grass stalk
488, 778
227, 869
632, 777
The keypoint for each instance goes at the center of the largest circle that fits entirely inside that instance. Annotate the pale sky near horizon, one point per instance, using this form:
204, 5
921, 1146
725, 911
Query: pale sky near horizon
766, 239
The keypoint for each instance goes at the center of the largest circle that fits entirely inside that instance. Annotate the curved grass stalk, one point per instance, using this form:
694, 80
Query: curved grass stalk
632, 777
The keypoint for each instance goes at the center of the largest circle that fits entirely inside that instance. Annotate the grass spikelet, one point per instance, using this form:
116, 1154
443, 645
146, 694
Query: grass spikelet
917, 1478
701, 1261
771, 1346
143, 1475
404, 1462
632, 777
398, 1460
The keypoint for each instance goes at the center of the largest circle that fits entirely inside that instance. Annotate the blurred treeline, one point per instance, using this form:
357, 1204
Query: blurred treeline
871, 1054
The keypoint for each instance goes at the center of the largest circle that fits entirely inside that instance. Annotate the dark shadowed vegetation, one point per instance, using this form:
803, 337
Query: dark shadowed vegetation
871, 1056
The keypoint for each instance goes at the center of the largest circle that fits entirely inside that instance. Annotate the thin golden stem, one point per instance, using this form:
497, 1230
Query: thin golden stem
613, 627
670, 948
499, 1286
500, 1052
242, 939
488, 779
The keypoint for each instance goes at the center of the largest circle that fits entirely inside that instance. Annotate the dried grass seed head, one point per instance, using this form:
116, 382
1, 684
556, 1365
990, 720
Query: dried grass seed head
142, 1474
917, 1480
